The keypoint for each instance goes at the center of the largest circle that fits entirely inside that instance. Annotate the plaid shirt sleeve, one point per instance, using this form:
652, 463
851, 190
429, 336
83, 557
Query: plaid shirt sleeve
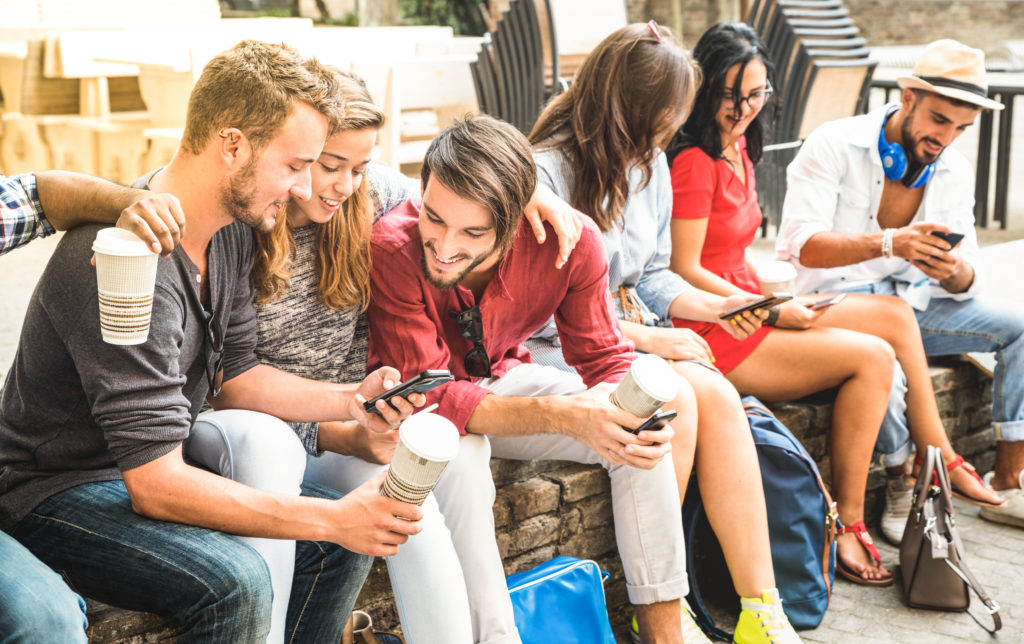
21, 214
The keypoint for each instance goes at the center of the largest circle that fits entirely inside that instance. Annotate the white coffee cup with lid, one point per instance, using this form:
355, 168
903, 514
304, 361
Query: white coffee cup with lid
650, 383
426, 444
125, 279
776, 277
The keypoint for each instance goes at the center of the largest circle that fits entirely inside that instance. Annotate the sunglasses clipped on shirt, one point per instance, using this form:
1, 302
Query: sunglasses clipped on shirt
470, 325
213, 341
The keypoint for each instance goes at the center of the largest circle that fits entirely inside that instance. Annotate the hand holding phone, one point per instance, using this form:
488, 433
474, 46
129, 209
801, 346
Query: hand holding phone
953, 239
422, 383
763, 303
827, 302
655, 422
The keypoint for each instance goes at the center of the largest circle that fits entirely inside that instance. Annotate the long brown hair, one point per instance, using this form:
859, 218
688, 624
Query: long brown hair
343, 243
620, 107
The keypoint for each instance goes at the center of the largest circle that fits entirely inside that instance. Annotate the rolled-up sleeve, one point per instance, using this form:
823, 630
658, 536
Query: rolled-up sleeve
812, 193
21, 214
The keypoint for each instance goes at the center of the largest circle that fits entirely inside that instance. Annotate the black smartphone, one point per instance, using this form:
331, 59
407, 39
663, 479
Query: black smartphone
827, 302
764, 303
950, 238
655, 422
424, 382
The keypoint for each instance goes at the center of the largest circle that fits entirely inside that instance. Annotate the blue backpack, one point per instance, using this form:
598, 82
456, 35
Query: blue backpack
801, 525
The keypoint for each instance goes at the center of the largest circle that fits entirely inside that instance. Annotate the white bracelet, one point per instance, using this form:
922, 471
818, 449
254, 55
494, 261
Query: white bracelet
887, 236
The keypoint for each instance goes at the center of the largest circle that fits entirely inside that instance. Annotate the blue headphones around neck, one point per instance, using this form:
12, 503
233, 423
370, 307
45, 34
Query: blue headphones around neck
894, 161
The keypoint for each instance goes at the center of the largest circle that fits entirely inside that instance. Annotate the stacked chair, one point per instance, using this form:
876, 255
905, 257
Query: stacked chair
517, 69
823, 72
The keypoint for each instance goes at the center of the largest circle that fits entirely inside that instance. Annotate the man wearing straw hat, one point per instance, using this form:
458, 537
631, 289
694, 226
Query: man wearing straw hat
868, 198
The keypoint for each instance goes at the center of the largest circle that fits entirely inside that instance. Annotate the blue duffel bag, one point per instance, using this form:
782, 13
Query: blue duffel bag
561, 600
802, 523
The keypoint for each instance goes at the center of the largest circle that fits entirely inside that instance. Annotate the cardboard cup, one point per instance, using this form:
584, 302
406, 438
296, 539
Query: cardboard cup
650, 383
125, 278
426, 443
776, 277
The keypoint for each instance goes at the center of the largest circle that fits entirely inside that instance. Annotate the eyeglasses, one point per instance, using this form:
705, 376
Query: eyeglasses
756, 100
471, 326
213, 340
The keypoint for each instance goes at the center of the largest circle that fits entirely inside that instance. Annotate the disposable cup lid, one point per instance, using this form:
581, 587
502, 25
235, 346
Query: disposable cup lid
430, 436
120, 242
655, 376
776, 271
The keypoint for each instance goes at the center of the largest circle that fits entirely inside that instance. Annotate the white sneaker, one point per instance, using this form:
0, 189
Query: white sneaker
1011, 512
899, 493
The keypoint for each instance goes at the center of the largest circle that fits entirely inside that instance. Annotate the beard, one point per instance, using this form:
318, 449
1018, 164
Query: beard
237, 198
452, 282
912, 150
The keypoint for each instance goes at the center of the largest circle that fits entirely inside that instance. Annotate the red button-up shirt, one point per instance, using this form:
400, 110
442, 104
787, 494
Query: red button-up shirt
411, 329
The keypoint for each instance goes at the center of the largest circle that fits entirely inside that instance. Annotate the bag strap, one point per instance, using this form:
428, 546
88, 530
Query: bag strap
934, 461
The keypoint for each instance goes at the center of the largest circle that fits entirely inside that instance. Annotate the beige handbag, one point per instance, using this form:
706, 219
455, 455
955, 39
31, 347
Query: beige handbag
932, 564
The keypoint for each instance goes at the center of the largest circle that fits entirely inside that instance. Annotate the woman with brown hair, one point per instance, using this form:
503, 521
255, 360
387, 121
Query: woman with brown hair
598, 146
312, 276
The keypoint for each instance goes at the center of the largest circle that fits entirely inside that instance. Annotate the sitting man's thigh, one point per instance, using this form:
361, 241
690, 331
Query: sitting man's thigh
91, 534
982, 324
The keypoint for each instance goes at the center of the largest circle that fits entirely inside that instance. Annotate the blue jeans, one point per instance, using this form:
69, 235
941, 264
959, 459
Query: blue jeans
976, 325
216, 587
36, 606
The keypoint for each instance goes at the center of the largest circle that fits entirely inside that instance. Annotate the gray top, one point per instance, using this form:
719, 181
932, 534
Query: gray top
639, 250
298, 334
75, 409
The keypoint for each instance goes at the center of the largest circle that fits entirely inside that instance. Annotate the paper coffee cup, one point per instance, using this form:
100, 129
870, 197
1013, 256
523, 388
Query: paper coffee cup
776, 277
650, 383
125, 277
426, 443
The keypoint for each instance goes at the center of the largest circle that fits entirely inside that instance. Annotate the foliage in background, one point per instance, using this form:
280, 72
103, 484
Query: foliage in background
465, 17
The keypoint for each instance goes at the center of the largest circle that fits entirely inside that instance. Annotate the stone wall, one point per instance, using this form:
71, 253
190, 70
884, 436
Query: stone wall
549, 508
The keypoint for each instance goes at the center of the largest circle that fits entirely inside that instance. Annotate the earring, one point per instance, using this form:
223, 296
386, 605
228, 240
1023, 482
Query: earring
223, 134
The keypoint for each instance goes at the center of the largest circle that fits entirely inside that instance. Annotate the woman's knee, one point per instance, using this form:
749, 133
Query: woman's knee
250, 447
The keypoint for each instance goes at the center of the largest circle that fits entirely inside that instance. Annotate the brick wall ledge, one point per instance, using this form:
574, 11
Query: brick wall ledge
549, 508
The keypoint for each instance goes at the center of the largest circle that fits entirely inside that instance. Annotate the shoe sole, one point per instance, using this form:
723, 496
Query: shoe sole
998, 517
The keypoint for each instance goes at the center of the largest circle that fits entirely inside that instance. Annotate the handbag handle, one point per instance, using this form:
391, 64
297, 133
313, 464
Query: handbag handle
935, 469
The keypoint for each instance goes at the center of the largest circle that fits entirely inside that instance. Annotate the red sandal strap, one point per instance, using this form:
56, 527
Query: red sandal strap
859, 530
952, 465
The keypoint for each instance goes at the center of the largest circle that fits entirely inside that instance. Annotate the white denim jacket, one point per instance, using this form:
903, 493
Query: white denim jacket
835, 184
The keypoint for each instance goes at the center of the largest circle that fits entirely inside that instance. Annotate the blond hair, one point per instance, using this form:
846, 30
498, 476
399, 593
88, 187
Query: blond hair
343, 243
253, 87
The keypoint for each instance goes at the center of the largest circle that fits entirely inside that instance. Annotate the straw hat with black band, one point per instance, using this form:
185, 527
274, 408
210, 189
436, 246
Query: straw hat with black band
954, 70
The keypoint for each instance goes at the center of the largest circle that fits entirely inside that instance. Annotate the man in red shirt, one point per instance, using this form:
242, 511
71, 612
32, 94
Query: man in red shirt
458, 284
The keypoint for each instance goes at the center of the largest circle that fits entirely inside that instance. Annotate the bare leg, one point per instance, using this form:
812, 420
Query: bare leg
792, 364
659, 622
730, 480
892, 320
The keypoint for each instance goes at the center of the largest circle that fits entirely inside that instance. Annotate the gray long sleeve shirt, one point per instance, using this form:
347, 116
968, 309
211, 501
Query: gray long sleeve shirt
75, 409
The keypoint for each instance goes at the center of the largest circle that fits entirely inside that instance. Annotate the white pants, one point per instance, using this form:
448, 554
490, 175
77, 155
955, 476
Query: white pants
263, 452
645, 503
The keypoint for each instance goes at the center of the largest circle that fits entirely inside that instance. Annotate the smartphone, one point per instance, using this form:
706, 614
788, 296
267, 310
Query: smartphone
424, 382
827, 302
764, 303
655, 422
951, 238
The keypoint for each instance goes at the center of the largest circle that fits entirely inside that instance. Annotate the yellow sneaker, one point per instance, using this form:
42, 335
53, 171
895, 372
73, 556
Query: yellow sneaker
762, 621
691, 632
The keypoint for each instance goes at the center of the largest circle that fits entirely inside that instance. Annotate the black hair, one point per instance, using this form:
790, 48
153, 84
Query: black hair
722, 46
